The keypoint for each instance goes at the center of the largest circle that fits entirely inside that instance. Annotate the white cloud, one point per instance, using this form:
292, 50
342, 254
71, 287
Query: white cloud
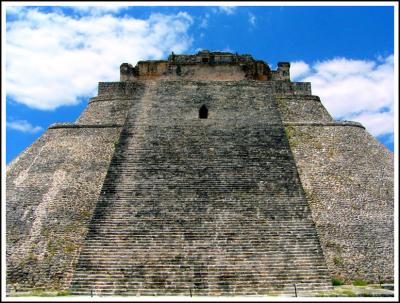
98, 10
252, 19
53, 58
227, 49
15, 9
23, 126
378, 123
229, 10
80, 10
204, 21
298, 69
357, 90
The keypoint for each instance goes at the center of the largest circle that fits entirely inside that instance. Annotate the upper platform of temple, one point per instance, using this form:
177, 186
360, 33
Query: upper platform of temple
206, 65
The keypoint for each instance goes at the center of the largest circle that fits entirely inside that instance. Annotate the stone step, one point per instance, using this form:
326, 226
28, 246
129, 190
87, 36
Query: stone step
265, 229
210, 234
271, 263
278, 225
227, 201
212, 282
236, 252
202, 247
146, 236
126, 266
211, 286
269, 225
183, 227
233, 256
286, 289
111, 279
97, 264
208, 270
204, 243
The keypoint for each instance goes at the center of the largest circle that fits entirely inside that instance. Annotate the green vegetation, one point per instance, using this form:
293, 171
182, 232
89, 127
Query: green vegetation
318, 145
116, 142
338, 261
334, 245
348, 293
360, 282
364, 290
42, 293
337, 282
331, 153
87, 214
63, 293
339, 292
311, 197
45, 232
290, 134
32, 257
52, 247
69, 248
71, 228
296, 136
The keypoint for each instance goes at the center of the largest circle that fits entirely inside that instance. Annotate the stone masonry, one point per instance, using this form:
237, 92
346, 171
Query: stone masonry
348, 179
206, 174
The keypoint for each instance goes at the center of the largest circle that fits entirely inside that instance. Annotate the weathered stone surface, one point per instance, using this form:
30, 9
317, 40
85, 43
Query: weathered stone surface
302, 108
52, 189
155, 200
211, 205
348, 178
358, 291
205, 65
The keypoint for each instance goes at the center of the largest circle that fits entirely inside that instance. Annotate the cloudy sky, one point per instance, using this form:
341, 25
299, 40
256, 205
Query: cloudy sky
55, 56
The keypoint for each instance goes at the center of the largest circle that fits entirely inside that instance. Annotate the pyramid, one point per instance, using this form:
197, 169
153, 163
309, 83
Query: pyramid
206, 174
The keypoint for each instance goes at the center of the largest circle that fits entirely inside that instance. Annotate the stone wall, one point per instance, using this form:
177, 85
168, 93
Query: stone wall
205, 65
105, 110
348, 178
112, 103
119, 89
52, 189
302, 108
206, 72
54, 185
209, 206
290, 88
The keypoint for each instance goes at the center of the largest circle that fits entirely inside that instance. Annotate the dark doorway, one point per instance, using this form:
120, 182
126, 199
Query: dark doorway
203, 112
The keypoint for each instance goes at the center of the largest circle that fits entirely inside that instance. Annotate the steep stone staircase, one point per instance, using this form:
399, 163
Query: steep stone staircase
201, 206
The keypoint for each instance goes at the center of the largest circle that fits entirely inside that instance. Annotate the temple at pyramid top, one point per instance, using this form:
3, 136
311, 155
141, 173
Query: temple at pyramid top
205, 65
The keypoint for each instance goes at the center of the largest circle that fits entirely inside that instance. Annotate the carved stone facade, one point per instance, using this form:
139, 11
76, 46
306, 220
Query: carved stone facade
205, 65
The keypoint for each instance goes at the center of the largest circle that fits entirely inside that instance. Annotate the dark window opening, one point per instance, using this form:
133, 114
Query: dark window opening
203, 112
178, 70
204, 60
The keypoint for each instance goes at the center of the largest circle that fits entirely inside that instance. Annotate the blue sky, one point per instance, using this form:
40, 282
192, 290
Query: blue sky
57, 55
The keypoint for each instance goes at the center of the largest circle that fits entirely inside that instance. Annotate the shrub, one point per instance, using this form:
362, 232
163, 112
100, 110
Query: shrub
63, 293
360, 282
337, 282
